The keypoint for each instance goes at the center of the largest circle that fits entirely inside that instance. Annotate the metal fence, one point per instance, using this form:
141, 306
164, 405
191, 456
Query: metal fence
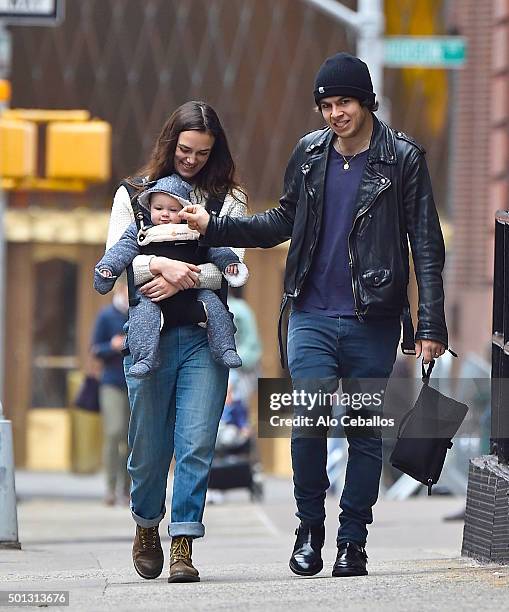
500, 341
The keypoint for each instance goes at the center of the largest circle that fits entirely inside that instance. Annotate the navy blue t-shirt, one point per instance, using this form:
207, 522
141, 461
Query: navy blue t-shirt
327, 288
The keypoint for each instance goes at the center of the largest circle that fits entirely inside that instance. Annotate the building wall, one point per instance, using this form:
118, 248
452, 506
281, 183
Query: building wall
131, 63
479, 169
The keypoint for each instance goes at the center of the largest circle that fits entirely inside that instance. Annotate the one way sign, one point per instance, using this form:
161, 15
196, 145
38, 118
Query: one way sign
31, 12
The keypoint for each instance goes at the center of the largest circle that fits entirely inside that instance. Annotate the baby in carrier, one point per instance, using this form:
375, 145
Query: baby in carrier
168, 237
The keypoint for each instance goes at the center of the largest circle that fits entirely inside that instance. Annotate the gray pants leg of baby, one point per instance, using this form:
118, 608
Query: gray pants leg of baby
143, 336
220, 330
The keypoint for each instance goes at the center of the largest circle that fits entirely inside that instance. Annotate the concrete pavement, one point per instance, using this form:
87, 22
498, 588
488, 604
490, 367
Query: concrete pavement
72, 542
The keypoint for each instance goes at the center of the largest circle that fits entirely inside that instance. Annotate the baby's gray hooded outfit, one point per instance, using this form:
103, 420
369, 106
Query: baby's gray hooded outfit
192, 305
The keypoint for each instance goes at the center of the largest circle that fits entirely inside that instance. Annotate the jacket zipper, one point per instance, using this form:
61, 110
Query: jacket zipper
306, 270
311, 194
358, 313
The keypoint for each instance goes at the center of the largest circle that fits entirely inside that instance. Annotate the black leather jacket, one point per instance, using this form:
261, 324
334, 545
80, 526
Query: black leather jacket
395, 206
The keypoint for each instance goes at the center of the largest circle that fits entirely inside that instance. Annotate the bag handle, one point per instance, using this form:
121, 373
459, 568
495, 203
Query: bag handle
431, 365
426, 375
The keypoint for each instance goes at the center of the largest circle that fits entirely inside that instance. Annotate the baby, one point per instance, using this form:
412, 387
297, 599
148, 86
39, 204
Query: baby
168, 237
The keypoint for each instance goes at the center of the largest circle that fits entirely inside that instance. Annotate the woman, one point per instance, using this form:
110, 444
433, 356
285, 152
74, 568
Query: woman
176, 410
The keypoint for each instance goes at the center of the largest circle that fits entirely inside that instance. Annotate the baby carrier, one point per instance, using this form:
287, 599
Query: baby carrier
213, 206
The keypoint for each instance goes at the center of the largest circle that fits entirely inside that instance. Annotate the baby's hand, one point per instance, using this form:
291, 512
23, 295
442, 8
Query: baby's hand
105, 273
232, 269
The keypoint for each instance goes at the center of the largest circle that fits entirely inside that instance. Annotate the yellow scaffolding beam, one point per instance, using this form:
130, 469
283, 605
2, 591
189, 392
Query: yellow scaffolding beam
42, 184
45, 116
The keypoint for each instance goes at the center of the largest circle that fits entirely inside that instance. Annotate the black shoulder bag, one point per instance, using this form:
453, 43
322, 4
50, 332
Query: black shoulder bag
425, 433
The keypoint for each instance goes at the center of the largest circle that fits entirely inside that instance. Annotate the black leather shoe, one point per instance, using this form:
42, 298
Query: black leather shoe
306, 559
351, 560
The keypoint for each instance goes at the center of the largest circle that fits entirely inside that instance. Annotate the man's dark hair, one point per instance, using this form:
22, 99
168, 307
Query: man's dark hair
371, 106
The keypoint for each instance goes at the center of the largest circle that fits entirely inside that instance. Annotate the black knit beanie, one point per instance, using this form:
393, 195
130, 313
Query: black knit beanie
344, 75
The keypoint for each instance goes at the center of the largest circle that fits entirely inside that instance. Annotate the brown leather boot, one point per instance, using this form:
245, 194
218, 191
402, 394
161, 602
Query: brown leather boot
181, 566
148, 555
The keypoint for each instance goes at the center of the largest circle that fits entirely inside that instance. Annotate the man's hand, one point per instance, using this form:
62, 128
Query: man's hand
117, 342
158, 289
178, 273
196, 216
429, 349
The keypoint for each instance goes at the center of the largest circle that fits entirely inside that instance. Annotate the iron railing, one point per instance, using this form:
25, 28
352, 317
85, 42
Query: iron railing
500, 342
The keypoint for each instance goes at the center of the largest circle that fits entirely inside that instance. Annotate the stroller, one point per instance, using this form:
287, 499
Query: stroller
235, 465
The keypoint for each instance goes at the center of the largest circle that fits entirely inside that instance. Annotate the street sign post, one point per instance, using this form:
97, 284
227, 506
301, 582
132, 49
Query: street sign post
31, 12
26, 13
425, 51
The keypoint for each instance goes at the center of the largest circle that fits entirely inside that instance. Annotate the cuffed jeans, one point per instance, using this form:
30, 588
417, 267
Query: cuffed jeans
322, 350
175, 410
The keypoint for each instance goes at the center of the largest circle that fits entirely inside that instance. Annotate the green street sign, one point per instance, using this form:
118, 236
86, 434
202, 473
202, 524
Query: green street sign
425, 51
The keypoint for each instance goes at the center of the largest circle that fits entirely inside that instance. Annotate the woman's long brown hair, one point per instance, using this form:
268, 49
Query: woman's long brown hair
218, 175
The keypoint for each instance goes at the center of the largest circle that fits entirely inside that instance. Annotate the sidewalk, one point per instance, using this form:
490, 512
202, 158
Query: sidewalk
72, 542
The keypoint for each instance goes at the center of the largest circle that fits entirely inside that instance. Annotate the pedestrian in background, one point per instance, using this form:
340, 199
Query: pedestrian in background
175, 410
355, 194
107, 342
244, 380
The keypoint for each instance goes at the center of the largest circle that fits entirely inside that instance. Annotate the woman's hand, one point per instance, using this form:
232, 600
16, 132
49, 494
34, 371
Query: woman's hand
178, 273
158, 289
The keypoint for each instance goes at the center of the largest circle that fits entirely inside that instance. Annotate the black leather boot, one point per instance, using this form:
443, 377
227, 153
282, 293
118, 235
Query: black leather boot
351, 560
306, 559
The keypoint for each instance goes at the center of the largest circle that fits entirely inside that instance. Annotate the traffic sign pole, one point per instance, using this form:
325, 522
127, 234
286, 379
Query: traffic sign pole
8, 511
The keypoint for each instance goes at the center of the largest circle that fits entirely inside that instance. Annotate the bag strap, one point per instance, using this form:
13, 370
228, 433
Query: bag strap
213, 207
215, 204
426, 375
408, 340
133, 187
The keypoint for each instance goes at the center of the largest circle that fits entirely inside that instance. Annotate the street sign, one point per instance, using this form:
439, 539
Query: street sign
31, 12
425, 51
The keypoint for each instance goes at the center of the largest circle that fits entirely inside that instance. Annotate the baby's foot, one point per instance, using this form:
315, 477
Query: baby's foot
139, 370
231, 359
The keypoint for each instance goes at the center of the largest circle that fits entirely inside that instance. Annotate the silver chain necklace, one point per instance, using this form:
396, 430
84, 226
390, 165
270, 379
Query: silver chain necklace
346, 165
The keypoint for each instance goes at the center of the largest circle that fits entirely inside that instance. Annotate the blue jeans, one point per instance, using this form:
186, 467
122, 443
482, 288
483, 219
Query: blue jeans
175, 410
322, 350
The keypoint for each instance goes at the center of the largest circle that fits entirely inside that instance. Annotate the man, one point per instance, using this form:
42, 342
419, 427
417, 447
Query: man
355, 193
107, 343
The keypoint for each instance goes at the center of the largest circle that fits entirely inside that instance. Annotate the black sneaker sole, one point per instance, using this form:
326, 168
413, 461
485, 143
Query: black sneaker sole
183, 578
300, 572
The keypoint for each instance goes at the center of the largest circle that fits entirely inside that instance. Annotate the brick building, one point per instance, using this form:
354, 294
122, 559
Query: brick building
479, 168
